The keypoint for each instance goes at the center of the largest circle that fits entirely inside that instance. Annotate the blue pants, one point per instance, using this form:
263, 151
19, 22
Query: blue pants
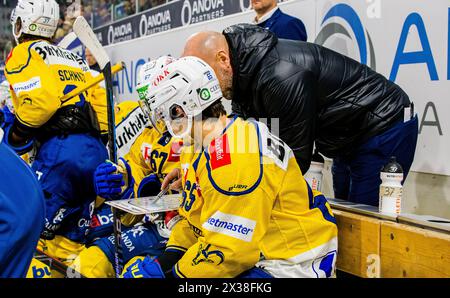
139, 240
255, 272
356, 177
65, 167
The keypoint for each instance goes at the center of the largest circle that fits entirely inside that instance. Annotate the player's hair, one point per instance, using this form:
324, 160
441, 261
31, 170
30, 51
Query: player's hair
28, 37
215, 110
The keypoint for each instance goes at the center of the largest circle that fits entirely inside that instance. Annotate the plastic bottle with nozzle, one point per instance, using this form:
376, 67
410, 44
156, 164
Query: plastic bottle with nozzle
391, 189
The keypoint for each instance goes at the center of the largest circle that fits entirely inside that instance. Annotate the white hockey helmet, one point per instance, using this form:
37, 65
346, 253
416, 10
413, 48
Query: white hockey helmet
148, 71
180, 92
147, 74
37, 17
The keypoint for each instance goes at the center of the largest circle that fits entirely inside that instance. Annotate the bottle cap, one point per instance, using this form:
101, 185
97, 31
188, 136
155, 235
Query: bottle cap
393, 166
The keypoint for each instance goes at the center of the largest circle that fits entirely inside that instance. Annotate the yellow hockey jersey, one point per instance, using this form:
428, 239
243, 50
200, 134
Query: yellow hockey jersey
153, 153
40, 74
144, 148
246, 203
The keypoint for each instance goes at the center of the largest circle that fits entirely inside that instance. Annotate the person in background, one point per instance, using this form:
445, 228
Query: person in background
270, 17
353, 114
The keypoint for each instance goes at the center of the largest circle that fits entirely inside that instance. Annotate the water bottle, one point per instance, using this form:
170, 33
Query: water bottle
391, 188
315, 173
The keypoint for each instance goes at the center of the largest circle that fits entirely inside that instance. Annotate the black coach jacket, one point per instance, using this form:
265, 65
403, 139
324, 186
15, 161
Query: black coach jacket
317, 94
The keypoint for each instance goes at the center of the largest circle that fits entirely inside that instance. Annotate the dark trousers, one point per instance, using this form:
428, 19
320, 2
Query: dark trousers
356, 177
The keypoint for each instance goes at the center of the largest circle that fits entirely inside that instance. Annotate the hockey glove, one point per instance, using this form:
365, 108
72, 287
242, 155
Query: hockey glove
113, 181
147, 268
149, 186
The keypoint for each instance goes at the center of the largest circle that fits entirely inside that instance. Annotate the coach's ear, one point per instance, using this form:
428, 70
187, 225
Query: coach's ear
223, 58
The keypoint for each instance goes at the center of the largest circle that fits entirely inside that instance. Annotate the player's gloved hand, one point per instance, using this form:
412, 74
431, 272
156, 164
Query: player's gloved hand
114, 181
147, 268
149, 186
6, 117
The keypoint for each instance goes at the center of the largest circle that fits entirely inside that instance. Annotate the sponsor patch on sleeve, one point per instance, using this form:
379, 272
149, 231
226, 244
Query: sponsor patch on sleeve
33, 83
220, 152
231, 225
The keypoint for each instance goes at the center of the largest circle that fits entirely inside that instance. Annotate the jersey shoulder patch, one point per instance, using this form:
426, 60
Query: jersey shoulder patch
233, 160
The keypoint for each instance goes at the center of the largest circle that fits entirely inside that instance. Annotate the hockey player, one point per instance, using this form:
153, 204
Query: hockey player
150, 158
66, 132
22, 213
247, 209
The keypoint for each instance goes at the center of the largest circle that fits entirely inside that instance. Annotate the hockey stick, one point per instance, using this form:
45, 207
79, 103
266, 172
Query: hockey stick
87, 37
115, 69
67, 40
57, 265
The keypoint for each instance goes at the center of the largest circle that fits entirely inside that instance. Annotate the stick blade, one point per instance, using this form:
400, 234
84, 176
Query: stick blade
87, 37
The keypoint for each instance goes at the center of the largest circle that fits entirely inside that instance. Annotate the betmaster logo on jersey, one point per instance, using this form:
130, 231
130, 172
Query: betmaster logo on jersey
231, 225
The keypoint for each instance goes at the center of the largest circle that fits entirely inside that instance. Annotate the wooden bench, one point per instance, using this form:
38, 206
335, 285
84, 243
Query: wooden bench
380, 245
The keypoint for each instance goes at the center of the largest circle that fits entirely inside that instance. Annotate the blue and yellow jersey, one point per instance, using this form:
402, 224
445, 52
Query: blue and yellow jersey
144, 148
153, 153
245, 201
40, 74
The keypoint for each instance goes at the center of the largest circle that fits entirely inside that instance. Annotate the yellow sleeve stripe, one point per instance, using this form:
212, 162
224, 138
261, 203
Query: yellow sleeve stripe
177, 272
176, 248
21, 121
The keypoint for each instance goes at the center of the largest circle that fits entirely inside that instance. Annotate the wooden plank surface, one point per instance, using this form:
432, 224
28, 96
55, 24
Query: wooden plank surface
359, 244
408, 251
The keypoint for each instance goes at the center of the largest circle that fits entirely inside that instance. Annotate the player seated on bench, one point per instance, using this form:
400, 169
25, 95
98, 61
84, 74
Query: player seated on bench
247, 210
142, 170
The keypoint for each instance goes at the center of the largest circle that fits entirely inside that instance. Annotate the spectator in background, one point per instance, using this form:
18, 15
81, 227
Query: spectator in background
130, 7
144, 5
269, 16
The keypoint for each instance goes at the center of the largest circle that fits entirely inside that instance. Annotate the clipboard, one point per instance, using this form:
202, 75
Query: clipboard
146, 205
